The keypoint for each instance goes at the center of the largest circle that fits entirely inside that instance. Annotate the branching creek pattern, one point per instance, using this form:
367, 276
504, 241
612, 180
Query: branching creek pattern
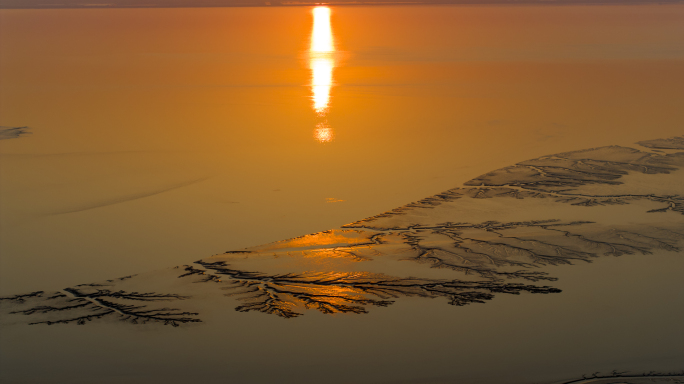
500, 233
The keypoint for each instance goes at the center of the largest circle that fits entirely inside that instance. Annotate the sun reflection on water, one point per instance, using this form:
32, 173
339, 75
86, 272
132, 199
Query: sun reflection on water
321, 62
321, 82
321, 36
323, 133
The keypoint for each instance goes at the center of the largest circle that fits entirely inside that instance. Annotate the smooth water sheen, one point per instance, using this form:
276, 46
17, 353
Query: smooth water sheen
163, 136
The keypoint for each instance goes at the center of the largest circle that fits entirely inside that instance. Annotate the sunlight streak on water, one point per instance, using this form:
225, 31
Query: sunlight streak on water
321, 62
323, 133
321, 36
321, 83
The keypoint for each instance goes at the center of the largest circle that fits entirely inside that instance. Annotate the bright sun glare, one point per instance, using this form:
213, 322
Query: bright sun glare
321, 36
321, 59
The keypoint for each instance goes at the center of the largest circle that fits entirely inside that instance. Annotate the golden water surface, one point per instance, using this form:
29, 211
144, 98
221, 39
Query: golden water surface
165, 135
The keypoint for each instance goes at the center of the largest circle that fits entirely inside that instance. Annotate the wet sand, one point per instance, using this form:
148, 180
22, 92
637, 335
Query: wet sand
449, 247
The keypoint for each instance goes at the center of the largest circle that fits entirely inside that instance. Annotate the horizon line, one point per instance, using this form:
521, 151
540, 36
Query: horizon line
43, 4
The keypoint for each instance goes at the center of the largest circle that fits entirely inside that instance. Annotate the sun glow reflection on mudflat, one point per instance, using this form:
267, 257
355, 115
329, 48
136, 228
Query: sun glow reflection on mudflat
321, 36
321, 59
323, 133
321, 83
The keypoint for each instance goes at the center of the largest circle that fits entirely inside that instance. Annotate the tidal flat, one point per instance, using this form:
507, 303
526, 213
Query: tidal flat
536, 231
469, 194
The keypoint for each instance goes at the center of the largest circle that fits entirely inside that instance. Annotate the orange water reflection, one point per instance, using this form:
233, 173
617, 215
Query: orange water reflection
321, 62
318, 240
323, 133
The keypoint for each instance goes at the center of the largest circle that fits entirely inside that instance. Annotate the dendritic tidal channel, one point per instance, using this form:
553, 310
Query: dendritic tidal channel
500, 233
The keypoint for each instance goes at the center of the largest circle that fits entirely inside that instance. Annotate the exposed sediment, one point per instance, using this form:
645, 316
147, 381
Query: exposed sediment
500, 233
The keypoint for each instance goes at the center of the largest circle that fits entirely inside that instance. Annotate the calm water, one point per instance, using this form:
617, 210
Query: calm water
161, 136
